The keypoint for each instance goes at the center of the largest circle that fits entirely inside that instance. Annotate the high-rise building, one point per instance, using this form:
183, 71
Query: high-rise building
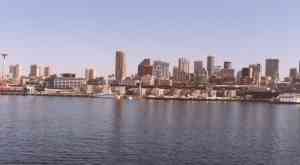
210, 65
246, 76
256, 73
198, 67
90, 74
293, 73
200, 74
141, 66
184, 65
47, 71
228, 75
120, 66
299, 67
227, 65
161, 70
183, 70
15, 72
35, 71
148, 70
272, 68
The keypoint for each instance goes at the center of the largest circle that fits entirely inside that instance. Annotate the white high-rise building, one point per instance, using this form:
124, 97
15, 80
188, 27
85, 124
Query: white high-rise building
90, 74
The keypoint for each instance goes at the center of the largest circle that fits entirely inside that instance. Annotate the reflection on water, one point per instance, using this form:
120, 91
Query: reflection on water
50, 130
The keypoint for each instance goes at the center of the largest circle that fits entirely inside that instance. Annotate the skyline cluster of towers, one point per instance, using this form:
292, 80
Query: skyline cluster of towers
252, 74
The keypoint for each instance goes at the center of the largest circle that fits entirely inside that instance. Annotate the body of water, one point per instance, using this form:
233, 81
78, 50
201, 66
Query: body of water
71, 131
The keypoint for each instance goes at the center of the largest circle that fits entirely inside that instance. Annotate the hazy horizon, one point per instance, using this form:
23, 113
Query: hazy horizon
72, 35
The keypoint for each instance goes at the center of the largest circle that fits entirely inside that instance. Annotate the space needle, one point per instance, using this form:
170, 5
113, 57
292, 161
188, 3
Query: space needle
4, 56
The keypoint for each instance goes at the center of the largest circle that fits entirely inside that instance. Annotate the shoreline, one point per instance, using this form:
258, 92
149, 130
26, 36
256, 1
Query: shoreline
270, 101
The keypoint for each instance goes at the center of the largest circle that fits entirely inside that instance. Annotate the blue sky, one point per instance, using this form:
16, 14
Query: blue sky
71, 35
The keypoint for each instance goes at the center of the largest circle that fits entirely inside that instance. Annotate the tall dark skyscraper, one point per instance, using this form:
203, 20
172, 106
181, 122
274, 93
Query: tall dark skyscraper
141, 66
299, 67
272, 68
227, 65
210, 65
198, 67
120, 66
293, 73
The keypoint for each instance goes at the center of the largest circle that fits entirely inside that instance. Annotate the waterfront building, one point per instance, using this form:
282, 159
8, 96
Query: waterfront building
66, 81
120, 66
35, 71
164, 83
147, 80
210, 65
90, 74
272, 69
145, 67
47, 71
161, 70
15, 72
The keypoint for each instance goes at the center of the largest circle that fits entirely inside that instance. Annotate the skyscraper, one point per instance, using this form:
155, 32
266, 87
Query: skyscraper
120, 66
210, 65
183, 69
15, 72
141, 67
227, 65
35, 71
90, 74
47, 71
293, 73
272, 68
198, 67
256, 73
299, 67
161, 70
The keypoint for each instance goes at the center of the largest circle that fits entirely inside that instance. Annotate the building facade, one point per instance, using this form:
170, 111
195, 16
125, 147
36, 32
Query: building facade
183, 72
35, 71
47, 71
210, 65
66, 81
161, 70
90, 74
293, 73
141, 67
120, 66
272, 68
15, 72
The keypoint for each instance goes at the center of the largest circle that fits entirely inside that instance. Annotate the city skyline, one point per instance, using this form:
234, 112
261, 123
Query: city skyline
184, 65
71, 34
